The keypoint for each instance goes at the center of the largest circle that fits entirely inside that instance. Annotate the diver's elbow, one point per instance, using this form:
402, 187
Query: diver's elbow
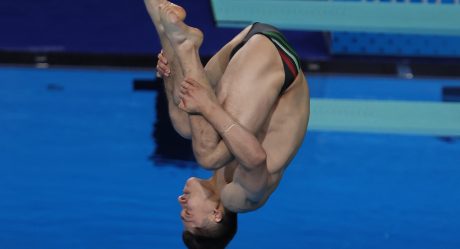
257, 159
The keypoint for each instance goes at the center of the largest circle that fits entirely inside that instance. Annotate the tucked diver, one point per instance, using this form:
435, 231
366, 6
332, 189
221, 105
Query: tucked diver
246, 112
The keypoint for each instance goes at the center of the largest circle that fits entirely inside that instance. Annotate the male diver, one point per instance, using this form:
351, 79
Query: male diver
246, 112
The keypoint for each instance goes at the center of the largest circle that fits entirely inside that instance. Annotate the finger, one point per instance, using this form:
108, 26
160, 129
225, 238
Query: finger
191, 81
160, 62
159, 74
163, 69
163, 64
162, 58
183, 92
160, 68
184, 95
181, 105
166, 70
186, 84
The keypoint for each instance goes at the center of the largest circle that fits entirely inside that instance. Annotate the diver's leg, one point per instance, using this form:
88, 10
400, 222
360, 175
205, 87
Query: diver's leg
186, 41
172, 82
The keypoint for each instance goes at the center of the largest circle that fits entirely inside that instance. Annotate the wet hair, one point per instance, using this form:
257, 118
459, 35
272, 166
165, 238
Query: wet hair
217, 237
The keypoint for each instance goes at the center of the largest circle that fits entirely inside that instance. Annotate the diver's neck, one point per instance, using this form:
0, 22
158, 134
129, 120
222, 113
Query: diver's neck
218, 180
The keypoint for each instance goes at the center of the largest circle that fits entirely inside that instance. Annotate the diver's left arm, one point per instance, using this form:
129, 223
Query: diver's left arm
242, 143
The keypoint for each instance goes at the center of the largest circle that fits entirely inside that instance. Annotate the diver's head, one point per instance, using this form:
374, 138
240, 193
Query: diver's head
207, 224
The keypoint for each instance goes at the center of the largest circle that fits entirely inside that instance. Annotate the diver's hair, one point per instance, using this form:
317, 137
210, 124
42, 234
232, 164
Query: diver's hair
216, 238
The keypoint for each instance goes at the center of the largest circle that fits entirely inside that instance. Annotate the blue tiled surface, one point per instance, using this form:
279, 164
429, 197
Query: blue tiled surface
394, 45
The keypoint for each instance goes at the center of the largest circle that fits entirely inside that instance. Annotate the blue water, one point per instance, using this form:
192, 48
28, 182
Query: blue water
75, 172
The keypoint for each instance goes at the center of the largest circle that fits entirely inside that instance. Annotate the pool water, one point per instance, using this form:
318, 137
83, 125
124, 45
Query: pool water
76, 171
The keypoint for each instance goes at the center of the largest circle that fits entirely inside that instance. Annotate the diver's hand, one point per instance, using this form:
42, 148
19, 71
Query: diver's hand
163, 69
195, 97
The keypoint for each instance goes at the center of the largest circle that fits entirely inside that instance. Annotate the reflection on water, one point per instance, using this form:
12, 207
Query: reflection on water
171, 148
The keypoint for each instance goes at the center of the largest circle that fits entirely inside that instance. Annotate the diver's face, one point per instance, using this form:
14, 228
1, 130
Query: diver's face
197, 206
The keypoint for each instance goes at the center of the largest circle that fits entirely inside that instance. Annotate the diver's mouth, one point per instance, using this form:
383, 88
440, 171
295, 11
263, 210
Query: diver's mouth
183, 217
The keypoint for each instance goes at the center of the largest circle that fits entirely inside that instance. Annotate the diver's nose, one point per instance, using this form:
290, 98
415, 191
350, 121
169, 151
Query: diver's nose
182, 199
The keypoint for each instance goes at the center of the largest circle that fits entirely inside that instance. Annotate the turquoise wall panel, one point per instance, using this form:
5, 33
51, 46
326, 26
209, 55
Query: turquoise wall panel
362, 16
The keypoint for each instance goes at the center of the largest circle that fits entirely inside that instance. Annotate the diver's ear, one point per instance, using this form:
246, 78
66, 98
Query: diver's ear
217, 215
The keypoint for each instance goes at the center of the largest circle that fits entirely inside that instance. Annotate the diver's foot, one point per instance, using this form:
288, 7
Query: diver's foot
185, 41
153, 8
180, 35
